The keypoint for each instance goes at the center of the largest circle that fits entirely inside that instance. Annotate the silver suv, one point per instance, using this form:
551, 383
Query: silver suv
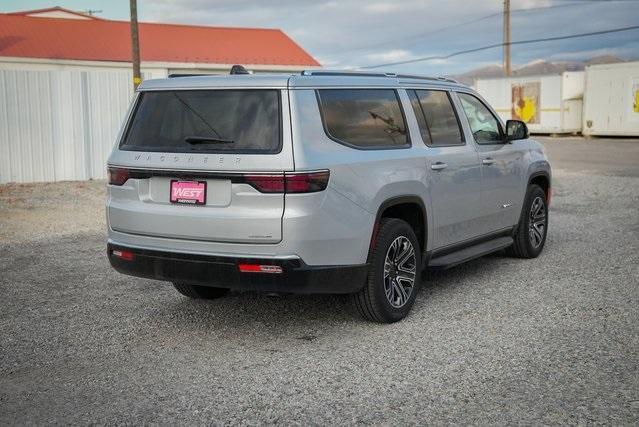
321, 182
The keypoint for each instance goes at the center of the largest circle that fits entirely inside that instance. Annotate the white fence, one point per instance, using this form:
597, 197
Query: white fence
59, 125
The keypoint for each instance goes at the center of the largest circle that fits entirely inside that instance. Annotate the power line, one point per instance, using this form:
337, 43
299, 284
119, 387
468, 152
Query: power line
492, 46
461, 24
599, 1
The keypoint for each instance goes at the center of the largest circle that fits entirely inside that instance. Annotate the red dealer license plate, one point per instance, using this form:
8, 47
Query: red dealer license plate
188, 192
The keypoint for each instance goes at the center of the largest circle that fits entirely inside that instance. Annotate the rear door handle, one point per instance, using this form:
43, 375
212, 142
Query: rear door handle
487, 161
438, 166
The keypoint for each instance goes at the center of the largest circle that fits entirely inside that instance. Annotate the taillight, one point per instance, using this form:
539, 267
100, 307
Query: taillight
301, 182
309, 182
266, 183
118, 176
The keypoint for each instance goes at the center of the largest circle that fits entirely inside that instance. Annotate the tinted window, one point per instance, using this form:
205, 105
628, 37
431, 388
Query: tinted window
419, 115
363, 117
485, 127
436, 117
237, 121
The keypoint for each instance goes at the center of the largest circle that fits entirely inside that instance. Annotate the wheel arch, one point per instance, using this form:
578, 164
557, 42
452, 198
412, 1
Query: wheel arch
410, 208
542, 179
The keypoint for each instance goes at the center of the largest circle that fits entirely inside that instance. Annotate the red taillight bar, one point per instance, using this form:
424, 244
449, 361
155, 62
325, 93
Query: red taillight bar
307, 182
266, 183
118, 176
291, 183
298, 182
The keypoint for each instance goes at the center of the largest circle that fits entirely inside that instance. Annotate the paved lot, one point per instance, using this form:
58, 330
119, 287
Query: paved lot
552, 340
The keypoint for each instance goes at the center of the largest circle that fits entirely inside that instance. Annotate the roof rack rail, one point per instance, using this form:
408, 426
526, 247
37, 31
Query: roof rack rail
412, 76
360, 73
172, 76
357, 73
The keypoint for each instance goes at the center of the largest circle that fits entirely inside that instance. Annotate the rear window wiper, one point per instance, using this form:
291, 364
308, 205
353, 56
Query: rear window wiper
207, 140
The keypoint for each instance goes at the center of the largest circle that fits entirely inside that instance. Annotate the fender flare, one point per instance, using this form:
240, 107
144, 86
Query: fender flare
394, 201
546, 175
537, 174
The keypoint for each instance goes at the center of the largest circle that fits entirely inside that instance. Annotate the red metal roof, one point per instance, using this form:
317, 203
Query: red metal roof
106, 40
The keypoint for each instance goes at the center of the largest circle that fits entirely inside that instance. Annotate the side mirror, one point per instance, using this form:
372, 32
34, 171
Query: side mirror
516, 129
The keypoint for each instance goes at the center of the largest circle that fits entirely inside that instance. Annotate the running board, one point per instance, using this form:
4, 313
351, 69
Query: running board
472, 252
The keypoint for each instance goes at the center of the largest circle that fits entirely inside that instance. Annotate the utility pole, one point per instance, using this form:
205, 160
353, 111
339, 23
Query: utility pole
507, 69
135, 44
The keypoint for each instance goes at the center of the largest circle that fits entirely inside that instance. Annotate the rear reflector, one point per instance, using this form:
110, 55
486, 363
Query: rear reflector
257, 268
123, 254
301, 182
118, 176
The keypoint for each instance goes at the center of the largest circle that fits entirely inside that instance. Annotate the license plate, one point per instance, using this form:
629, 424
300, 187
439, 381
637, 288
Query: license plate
188, 192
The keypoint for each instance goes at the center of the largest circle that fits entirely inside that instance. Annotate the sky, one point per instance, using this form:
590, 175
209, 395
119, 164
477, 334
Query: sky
364, 33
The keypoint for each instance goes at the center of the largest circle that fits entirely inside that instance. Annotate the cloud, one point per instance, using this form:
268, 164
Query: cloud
329, 63
369, 32
529, 4
383, 7
390, 56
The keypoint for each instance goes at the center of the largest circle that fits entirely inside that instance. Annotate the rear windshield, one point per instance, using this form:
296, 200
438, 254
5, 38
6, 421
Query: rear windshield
206, 121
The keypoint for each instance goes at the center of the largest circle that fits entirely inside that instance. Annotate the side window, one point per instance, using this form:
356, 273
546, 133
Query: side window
363, 118
419, 115
485, 127
436, 117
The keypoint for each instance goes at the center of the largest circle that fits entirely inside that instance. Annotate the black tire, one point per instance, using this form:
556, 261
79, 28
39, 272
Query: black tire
529, 243
200, 292
372, 301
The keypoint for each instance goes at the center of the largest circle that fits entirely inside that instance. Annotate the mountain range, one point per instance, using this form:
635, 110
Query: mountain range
534, 68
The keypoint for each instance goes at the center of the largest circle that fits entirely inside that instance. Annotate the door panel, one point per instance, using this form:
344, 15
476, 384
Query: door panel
502, 165
455, 193
502, 173
453, 171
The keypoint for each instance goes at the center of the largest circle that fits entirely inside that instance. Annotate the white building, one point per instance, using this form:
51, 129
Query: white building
66, 81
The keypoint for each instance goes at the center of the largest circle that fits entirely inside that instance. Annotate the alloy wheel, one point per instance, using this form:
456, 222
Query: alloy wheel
399, 271
537, 222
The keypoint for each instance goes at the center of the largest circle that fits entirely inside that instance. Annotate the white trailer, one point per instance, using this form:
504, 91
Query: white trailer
611, 100
548, 104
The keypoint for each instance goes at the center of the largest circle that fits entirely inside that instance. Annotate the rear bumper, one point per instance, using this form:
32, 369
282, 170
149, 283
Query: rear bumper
223, 272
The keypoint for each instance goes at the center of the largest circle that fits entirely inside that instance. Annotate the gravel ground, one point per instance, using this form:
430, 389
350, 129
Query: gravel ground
49, 210
497, 341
